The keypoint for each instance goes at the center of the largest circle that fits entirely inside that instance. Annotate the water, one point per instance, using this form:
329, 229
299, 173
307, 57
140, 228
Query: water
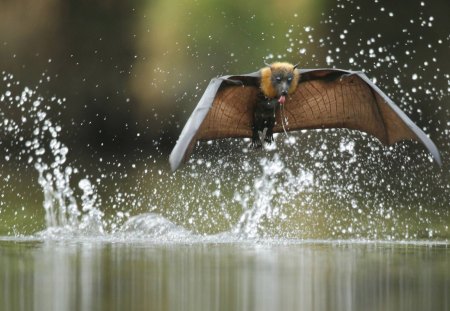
280, 237
94, 274
319, 220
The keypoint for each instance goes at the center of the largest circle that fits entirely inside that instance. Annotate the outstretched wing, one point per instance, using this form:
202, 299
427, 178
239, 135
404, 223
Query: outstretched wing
224, 110
325, 98
330, 98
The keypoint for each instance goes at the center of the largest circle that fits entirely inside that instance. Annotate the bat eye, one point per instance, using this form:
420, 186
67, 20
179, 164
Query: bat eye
289, 79
278, 79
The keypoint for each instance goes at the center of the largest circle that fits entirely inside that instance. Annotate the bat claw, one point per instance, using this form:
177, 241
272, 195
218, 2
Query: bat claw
263, 138
268, 141
262, 135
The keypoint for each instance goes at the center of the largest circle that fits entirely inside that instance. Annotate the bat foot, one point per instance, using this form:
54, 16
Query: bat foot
262, 137
256, 144
268, 140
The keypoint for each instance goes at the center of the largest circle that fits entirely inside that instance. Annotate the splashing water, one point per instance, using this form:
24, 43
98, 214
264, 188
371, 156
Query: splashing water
262, 207
331, 190
276, 180
26, 119
317, 184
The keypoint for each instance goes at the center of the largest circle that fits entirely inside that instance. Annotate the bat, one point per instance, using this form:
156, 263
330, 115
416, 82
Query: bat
280, 97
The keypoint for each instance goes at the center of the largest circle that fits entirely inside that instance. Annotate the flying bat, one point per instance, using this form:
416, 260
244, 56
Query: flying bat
280, 97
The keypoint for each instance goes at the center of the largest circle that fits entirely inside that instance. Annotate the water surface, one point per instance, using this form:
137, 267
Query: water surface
118, 274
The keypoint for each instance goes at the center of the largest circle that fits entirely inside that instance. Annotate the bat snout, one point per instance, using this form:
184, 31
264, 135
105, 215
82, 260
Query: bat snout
283, 89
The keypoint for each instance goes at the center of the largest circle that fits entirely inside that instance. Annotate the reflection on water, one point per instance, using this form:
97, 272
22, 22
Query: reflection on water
113, 275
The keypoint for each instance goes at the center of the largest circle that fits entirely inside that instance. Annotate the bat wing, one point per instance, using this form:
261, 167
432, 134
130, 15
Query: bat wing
224, 110
325, 98
332, 98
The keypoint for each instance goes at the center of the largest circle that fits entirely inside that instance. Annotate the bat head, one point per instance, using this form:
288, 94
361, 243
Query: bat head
279, 80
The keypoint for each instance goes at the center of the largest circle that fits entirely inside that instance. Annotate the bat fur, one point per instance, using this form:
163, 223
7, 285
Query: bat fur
278, 80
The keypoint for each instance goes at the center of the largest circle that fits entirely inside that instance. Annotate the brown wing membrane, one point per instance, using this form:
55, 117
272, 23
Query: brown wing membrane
224, 110
343, 102
230, 114
333, 98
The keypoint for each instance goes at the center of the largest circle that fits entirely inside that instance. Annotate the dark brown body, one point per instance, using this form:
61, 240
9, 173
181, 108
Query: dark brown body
264, 120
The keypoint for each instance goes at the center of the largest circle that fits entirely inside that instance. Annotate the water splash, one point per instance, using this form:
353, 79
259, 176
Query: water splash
60, 205
31, 131
153, 226
91, 221
276, 186
330, 185
336, 189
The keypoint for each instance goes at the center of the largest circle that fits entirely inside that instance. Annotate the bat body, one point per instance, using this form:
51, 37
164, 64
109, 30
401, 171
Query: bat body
277, 81
250, 105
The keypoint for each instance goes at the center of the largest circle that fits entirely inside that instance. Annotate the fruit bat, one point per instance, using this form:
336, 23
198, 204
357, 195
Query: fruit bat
281, 97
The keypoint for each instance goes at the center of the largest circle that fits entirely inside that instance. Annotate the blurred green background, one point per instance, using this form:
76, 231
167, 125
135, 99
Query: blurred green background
132, 71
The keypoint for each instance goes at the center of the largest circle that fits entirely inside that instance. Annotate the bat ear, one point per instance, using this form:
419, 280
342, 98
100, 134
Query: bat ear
296, 65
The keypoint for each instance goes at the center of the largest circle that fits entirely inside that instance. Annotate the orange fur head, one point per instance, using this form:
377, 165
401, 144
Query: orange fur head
279, 79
